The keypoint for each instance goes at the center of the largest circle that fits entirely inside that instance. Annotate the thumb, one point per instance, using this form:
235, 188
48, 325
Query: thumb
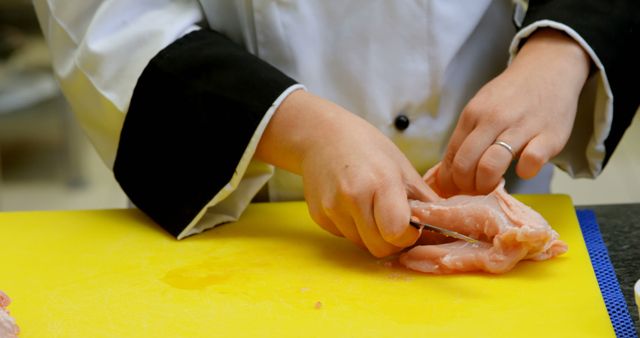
392, 213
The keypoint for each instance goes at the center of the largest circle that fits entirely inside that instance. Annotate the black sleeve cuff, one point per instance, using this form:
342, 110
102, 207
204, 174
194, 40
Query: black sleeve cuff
193, 112
612, 30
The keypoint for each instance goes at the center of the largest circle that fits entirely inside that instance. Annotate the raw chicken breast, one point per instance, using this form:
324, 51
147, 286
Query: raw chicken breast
508, 230
8, 327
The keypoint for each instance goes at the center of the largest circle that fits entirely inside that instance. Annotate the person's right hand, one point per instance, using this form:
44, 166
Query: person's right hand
356, 181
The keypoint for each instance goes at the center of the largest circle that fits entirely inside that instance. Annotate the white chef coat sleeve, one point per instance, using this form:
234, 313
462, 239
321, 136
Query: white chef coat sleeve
99, 49
600, 120
176, 109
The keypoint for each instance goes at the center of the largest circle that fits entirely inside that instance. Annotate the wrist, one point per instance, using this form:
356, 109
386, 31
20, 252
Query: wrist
301, 124
557, 54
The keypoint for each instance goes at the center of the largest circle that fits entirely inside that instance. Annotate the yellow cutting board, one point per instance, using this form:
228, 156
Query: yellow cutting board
113, 273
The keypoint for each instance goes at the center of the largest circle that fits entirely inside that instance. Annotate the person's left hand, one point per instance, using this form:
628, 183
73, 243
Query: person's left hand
531, 106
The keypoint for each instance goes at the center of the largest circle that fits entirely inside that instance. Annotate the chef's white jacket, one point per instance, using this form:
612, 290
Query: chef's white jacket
377, 58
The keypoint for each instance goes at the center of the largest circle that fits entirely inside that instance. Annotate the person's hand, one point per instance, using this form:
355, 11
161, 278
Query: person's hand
356, 181
531, 107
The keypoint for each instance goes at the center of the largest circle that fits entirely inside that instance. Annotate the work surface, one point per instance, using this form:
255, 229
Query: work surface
620, 228
274, 273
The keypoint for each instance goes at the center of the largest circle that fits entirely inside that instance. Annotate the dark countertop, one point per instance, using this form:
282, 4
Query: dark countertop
620, 229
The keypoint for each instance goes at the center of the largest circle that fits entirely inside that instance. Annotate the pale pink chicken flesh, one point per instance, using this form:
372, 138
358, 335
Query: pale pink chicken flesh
8, 327
508, 230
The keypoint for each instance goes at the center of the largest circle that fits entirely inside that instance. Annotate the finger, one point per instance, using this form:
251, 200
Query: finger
322, 220
535, 154
367, 227
467, 157
491, 167
318, 215
444, 177
463, 128
372, 238
424, 189
444, 180
496, 159
344, 223
391, 213
435, 192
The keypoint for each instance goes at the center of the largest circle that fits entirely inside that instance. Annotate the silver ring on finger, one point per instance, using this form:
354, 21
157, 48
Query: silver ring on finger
506, 146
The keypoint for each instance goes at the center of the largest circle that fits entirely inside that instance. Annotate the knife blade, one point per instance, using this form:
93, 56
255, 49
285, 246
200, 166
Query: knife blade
442, 231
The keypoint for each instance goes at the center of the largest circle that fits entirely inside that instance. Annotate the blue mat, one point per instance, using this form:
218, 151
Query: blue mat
609, 287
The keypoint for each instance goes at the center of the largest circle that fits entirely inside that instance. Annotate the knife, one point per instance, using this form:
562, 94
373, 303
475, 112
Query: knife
446, 232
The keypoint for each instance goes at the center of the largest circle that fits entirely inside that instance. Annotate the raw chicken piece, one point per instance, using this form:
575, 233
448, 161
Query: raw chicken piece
509, 232
8, 327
